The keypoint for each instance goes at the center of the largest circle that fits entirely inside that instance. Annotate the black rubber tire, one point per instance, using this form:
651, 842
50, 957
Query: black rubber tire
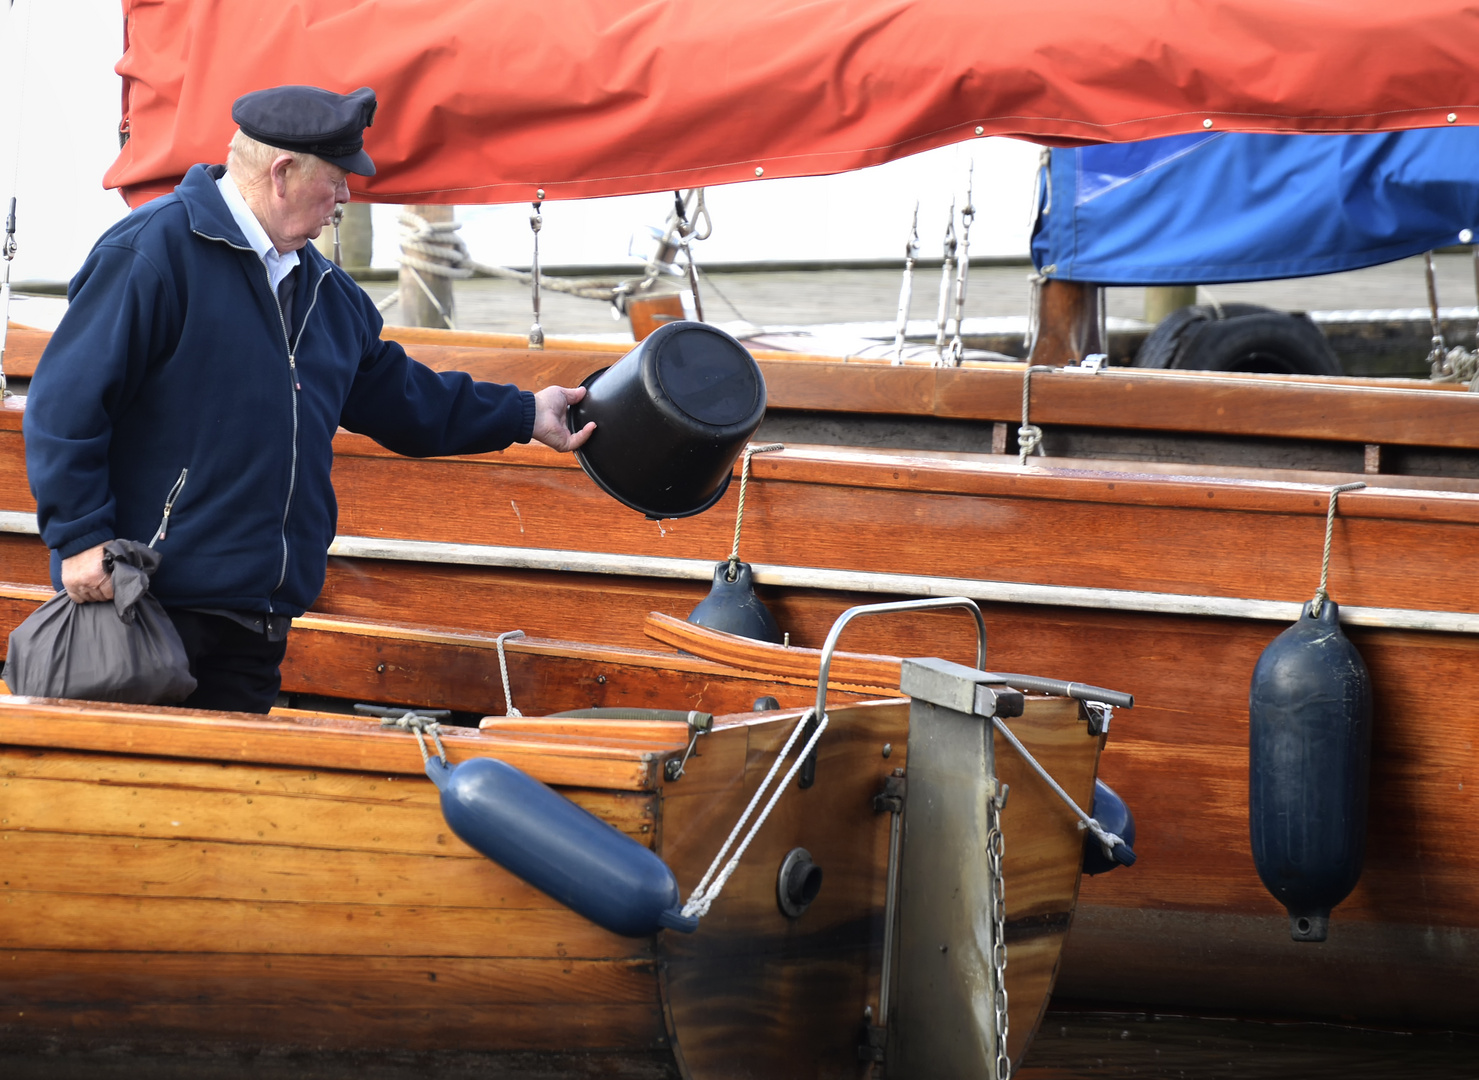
1272, 342
1163, 344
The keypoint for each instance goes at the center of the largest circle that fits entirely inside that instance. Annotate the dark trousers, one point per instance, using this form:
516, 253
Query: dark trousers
238, 669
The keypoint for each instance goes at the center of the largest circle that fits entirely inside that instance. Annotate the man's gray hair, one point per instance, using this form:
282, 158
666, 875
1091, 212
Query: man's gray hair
248, 160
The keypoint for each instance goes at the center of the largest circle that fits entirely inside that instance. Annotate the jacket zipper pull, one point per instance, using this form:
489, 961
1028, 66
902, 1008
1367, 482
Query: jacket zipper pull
169, 504
293, 363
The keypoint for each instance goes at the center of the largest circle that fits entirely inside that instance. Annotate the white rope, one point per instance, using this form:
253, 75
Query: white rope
705, 894
1029, 435
508, 697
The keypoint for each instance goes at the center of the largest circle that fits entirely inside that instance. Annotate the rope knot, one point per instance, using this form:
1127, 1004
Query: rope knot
420, 726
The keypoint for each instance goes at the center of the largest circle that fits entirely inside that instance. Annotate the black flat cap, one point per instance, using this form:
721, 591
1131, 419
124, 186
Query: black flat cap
311, 121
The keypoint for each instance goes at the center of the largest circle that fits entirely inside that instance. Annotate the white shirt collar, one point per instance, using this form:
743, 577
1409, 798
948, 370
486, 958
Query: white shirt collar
278, 265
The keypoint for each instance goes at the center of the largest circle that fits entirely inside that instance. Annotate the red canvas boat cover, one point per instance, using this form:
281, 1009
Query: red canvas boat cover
487, 101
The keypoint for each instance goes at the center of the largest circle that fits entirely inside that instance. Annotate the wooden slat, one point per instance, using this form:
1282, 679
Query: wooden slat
48, 862
333, 744
147, 924
366, 981
334, 1002
138, 797
1405, 412
23, 348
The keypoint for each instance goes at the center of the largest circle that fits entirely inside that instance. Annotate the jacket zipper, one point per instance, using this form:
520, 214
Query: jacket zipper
292, 348
169, 504
297, 388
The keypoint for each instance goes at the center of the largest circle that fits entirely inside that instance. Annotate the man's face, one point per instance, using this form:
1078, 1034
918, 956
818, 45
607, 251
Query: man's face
309, 195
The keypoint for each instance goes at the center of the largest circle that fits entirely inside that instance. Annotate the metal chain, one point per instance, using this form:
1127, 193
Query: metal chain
1321, 595
739, 518
994, 849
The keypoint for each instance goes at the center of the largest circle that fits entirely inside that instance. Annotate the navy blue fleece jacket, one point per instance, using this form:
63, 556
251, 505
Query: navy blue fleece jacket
173, 356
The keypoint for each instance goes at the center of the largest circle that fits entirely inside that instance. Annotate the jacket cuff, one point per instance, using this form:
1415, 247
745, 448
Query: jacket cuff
83, 542
526, 426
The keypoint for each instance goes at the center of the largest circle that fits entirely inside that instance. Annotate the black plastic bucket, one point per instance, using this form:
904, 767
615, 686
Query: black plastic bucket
672, 416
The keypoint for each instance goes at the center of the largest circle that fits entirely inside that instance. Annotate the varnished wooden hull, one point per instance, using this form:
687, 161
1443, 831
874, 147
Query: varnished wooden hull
1190, 926
204, 879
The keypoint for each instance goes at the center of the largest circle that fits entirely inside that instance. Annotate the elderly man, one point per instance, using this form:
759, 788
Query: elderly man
192, 391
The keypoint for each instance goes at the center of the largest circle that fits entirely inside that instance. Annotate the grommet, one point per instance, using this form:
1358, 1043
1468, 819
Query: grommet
1207, 123
1466, 236
759, 171
539, 194
980, 130
1453, 118
798, 883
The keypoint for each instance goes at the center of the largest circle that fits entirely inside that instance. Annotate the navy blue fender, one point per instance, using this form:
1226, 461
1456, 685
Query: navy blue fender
1114, 816
1309, 764
733, 607
568, 853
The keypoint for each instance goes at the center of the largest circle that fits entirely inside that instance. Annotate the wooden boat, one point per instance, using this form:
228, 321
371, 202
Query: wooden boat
181, 877
1166, 585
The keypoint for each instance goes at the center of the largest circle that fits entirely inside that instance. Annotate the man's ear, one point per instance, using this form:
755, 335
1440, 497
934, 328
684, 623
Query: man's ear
278, 172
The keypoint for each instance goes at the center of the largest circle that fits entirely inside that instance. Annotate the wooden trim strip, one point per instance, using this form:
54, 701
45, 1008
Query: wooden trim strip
881, 672
803, 577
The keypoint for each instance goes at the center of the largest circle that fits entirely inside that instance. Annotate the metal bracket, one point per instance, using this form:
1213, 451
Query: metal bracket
1090, 365
873, 1044
955, 686
891, 798
1097, 716
699, 723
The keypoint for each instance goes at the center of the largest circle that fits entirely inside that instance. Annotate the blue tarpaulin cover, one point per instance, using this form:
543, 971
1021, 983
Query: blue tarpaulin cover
1208, 207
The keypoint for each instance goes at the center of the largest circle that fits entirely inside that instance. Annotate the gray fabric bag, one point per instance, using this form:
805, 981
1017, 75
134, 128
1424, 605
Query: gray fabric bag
126, 651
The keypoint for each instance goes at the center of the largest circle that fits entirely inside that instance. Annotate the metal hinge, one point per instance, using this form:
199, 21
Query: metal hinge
891, 798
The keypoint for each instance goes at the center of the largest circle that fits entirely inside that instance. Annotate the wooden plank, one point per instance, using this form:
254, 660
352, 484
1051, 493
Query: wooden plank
277, 873
1408, 413
871, 513
361, 981
618, 1033
326, 743
749, 968
363, 1003
39, 920
23, 348
137, 797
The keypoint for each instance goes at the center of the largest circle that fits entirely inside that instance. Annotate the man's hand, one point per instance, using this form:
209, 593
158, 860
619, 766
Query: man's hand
85, 579
550, 405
